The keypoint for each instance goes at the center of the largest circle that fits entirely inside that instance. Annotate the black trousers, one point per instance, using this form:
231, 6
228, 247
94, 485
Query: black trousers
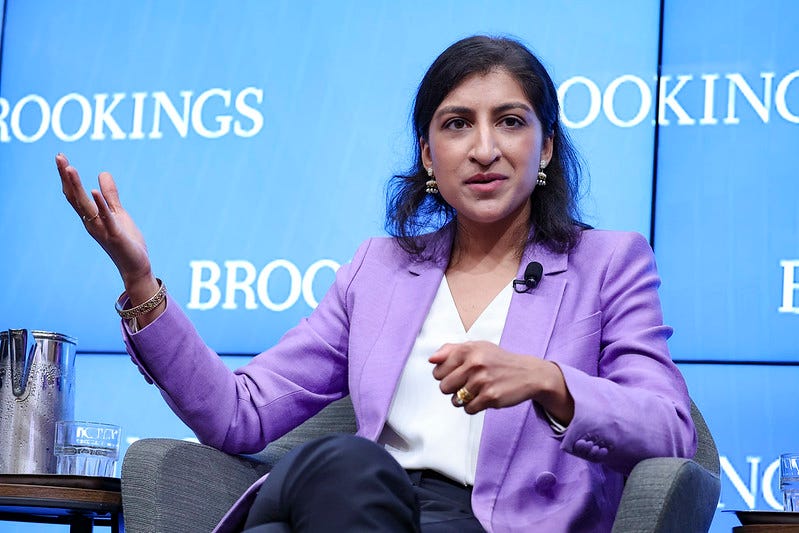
349, 484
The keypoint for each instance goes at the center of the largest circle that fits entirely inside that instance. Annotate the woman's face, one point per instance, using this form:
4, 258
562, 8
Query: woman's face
485, 144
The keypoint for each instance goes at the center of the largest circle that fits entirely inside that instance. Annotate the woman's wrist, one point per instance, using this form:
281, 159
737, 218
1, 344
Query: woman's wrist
141, 288
553, 394
146, 300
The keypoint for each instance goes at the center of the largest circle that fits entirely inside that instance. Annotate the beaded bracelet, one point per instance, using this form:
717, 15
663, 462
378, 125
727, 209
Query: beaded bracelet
145, 307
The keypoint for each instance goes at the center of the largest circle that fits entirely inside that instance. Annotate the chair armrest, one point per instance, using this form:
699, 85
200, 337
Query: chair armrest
174, 486
668, 495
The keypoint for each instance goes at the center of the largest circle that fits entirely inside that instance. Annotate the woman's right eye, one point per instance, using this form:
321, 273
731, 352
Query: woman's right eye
456, 124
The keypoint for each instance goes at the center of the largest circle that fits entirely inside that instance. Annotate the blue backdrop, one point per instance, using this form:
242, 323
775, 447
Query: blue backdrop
254, 158
727, 232
252, 142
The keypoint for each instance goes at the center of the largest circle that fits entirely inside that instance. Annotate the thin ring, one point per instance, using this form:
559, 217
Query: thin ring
89, 219
463, 396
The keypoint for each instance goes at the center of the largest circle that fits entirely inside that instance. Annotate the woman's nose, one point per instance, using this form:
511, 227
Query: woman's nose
485, 149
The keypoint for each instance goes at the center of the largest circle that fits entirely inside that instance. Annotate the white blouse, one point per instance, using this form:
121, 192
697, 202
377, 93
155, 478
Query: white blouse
424, 429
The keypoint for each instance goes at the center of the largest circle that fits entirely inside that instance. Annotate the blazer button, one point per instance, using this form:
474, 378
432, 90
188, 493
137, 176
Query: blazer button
597, 453
545, 482
582, 447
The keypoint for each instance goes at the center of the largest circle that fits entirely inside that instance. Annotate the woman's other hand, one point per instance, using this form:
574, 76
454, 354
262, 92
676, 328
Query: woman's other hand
497, 378
112, 227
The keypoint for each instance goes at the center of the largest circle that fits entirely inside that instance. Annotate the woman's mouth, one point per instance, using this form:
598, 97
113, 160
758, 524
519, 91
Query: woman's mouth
485, 183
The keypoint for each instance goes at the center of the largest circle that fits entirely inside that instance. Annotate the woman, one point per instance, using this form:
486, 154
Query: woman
508, 410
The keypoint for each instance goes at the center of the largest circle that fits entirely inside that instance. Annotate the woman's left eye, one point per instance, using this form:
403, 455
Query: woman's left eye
511, 122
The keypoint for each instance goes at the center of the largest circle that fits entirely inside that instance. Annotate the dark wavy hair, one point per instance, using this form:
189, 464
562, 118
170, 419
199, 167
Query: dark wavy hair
411, 212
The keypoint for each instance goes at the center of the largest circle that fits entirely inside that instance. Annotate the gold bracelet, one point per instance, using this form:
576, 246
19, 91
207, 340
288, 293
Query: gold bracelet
147, 306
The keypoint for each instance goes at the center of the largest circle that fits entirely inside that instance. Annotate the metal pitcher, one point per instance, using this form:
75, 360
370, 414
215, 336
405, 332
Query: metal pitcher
37, 384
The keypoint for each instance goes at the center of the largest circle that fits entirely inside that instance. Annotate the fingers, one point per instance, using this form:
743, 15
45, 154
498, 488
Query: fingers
451, 361
441, 355
442, 362
453, 372
73, 189
100, 205
464, 371
104, 212
463, 396
110, 192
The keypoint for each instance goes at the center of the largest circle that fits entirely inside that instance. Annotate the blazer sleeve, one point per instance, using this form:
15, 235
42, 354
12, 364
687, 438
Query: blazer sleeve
242, 411
637, 405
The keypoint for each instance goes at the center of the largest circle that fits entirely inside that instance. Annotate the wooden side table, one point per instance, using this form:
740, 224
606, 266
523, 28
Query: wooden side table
767, 528
80, 501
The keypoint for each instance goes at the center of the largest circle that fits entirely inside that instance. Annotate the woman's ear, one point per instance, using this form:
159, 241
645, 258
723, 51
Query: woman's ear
547, 149
424, 150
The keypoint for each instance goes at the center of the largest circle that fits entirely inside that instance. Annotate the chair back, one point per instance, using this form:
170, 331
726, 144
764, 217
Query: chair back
707, 455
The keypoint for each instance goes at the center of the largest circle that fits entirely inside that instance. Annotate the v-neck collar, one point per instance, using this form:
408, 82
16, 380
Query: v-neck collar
493, 315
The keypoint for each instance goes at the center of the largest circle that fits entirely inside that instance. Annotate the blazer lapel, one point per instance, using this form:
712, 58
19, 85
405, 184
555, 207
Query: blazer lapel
532, 314
528, 328
405, 308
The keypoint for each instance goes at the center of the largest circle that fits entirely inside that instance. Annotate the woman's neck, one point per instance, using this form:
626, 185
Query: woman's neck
487, 244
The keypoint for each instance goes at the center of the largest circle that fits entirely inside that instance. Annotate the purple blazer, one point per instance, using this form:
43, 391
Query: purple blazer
596, 312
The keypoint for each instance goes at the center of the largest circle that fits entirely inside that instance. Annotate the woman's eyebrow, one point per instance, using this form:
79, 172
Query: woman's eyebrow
463, 110
455, 110
511, 106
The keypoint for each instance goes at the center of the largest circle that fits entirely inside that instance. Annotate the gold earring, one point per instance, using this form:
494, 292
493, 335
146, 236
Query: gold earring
542, 177
431, 187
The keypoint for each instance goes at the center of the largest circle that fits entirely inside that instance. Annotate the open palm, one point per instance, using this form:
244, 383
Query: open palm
107, 221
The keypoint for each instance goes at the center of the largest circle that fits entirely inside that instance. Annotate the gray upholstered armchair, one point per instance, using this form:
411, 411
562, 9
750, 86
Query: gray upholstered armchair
172, 486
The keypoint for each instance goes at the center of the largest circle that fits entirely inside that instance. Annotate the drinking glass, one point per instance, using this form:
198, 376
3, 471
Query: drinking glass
86, 448
789, 481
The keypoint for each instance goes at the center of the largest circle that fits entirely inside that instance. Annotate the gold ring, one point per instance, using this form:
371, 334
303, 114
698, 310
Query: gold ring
89, 219
463, 396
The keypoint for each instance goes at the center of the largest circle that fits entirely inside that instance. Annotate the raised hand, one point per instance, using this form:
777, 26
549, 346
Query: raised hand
112, 227
497, 378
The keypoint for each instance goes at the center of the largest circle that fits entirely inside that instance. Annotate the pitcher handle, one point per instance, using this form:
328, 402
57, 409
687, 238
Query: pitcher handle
20, 355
